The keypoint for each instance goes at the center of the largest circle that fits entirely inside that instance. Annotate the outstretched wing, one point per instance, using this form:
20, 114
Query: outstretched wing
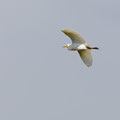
86, 56
75, 37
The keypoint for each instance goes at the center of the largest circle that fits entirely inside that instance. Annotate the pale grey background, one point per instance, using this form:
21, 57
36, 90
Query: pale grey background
41, 81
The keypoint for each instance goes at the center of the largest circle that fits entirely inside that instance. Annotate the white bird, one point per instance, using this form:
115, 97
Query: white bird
80, 45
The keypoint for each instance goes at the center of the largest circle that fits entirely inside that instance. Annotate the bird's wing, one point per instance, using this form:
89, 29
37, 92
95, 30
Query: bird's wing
75, 37
86, 56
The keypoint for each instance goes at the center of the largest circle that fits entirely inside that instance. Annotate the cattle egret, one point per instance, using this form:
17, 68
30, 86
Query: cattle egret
80, 45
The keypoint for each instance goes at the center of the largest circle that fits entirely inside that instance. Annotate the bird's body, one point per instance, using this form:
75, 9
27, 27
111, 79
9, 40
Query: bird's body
76, 47
79, 44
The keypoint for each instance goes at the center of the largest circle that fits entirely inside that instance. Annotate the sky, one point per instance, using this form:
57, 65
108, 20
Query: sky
39, 80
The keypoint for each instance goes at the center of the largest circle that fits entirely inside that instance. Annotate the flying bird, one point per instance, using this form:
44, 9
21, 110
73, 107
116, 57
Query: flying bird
80, 45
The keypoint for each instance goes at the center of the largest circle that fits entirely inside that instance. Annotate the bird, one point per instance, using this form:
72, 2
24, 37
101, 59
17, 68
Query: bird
80, 45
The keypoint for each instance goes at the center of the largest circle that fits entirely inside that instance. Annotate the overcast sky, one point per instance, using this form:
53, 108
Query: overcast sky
39, 80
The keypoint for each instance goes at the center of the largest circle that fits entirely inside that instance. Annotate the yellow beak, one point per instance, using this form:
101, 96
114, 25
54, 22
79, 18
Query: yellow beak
64, 46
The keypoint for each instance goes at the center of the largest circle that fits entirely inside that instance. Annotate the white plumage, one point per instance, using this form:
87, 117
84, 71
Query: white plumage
80, 45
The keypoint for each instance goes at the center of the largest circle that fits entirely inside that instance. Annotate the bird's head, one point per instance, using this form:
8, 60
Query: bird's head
67, 45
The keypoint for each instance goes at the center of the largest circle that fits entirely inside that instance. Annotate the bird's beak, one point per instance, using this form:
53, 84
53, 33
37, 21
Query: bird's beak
64, 46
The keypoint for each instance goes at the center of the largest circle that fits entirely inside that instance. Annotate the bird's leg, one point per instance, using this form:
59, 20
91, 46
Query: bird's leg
95, 48
88, 47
